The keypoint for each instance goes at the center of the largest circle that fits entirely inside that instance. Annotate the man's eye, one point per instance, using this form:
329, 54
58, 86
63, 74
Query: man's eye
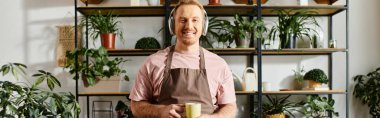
182, 21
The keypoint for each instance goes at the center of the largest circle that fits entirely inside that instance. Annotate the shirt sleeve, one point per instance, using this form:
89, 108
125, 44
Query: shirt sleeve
142, 88
226, 89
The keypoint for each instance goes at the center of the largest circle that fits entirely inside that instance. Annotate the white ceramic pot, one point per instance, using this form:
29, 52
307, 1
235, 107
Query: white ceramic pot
153, 2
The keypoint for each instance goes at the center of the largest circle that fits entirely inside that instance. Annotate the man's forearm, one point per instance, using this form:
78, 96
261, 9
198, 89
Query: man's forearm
225, 111
144, 109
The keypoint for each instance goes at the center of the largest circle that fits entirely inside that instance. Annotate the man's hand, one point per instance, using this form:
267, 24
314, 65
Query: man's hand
172, 111
205, 116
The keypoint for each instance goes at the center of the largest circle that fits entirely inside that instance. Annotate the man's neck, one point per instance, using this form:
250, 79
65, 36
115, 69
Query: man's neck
181, 48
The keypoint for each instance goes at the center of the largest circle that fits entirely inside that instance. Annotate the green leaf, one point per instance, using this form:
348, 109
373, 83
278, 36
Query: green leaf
39, 81
55, 80
50, 84
36, 75
126, 78
5, 70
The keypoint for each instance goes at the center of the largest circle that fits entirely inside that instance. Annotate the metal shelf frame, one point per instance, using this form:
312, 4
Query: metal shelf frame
252, 11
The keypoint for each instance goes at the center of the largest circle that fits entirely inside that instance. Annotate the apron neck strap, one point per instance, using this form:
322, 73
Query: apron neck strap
168, 62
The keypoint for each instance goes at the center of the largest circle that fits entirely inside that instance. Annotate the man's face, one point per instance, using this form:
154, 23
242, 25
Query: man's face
188, 24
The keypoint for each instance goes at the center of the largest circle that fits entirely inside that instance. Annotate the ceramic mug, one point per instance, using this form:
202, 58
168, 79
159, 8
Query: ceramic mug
193, 110
266, 86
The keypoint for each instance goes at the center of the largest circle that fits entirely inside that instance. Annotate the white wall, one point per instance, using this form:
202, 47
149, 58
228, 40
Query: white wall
29, 36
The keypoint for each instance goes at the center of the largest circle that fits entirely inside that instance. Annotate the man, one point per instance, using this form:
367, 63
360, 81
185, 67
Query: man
184, 73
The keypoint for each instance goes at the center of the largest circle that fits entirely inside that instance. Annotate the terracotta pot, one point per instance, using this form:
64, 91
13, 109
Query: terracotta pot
325, 1
314, 84
171, 1
214, 2
92, 1
280, 115
246, 1
108, 40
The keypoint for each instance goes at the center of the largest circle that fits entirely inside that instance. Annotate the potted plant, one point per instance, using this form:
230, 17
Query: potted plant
92, 1
293, 25
316, 78
317, 107
122, 110
147, 43
298, 78
246, 1
105, 26
28, 100
242, 29
215, 26
214, 2
325, 1
367, 90
96, 67
276, 107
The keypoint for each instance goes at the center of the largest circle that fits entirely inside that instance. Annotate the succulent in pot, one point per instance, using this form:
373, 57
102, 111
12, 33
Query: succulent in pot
316, 77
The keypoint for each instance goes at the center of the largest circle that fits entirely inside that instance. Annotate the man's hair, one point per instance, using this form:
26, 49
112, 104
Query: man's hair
188, 2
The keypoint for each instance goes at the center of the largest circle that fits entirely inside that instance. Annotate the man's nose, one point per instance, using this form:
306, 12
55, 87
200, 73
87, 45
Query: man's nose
189, 25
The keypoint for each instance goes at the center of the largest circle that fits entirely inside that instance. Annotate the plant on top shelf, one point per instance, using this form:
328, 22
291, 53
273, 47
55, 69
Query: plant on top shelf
292, 25
318, 107
316, 77
147, 43
276, 107
105, 26
242, 30
98, 65
367, 90
29, 100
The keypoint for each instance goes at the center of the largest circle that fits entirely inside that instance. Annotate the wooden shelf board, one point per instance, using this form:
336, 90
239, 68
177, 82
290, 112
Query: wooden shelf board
234, 51
322, 10
302, 51
306, 92
125, 11
103, 94
245, 92
224, 10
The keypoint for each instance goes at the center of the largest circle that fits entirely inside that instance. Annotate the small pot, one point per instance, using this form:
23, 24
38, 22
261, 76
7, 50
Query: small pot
214, 2
314, 84
108, 40
325, 1
280, 115
246, 1
92, 1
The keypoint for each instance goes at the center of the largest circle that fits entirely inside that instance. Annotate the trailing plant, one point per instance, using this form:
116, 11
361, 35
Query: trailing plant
98, 65
293, 23
278, 105
147, 43
317, 75
123, 110
100, 23
318, 107
367, 90
30, 101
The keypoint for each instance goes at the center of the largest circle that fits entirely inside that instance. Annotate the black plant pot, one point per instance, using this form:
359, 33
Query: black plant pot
288, 41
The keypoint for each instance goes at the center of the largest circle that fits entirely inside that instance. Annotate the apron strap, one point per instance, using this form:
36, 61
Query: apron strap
168, 63
202, 58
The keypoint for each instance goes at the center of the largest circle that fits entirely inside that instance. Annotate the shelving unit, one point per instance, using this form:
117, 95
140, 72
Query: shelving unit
257, 11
